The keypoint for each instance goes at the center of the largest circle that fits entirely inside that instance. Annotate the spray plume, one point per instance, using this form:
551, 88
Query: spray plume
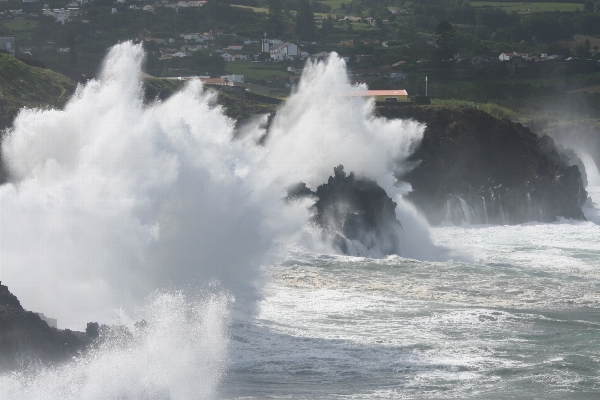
111, 199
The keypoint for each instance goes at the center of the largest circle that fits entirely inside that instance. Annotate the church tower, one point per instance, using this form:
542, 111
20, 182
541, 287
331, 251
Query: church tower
265, 44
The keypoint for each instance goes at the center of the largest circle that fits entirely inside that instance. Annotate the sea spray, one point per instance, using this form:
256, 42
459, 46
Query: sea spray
177, 352
323, 125
111, 199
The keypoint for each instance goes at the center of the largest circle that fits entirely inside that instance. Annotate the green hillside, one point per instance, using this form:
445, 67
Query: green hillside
24, 86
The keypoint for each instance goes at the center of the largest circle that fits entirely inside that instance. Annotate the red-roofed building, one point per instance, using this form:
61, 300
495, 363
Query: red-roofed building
382, 95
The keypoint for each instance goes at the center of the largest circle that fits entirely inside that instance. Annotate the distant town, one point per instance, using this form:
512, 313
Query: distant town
505, 54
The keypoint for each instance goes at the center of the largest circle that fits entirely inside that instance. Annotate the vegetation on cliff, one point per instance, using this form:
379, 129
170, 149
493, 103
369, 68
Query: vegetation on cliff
24, 86
500, 170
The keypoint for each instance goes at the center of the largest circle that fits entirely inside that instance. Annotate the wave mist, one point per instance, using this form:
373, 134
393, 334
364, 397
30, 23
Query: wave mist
178, 352
111, 199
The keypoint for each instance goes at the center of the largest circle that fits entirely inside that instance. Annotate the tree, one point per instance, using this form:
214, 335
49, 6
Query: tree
327, 26
443, 56
445, 41
305, 22
588, 6
275, 19
582, 50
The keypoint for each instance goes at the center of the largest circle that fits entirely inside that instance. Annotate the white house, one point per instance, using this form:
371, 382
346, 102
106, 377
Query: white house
228, 57
284, 51
197, 47
512, 56
8, 44
319, 56
179, 54
233, 78
193, 36
197, 37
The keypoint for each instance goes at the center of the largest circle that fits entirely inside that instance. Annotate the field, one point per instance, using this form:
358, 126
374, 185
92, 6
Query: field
577, 39
490, 108
589, 89
20, 29
18, 26
254, 72
256, 9
528, 7
335, 4
359, 26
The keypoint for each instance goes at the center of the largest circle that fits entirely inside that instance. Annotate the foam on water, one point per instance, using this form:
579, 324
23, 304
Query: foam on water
521, 319
514, 315
111, 199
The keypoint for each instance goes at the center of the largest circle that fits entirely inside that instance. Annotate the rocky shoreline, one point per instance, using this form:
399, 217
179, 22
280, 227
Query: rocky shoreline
26, 340
475, 168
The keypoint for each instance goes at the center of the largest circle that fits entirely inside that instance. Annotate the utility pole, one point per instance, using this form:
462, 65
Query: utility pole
425, 85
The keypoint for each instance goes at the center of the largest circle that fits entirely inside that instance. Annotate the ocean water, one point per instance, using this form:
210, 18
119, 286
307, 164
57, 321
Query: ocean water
119, 211
514, 313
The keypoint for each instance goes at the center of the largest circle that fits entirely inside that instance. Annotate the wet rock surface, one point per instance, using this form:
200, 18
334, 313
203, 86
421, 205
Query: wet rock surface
27, 340
356, 212
472, 167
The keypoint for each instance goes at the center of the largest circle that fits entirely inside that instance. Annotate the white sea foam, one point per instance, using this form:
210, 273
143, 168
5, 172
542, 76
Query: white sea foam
112, 199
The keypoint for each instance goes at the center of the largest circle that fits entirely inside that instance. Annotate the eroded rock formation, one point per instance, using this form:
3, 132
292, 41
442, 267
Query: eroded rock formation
473, 167
356, 212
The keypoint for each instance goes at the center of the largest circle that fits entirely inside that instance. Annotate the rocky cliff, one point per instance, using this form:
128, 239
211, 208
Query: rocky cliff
473, 167
26, 339
357, 214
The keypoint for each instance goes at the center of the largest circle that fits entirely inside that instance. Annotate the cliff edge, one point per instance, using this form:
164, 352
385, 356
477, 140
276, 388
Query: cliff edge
475, 168
27, 340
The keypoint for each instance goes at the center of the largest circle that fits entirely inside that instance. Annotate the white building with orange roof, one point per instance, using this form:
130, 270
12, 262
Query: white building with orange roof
382, 95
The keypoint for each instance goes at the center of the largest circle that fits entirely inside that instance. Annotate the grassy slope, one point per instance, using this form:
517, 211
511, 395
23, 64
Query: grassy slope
528, 7
255, 72
234, 106
25, 86
255, 9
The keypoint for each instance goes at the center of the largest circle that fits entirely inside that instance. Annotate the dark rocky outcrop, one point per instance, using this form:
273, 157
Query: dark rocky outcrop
26, 339
476, 168
356, 212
